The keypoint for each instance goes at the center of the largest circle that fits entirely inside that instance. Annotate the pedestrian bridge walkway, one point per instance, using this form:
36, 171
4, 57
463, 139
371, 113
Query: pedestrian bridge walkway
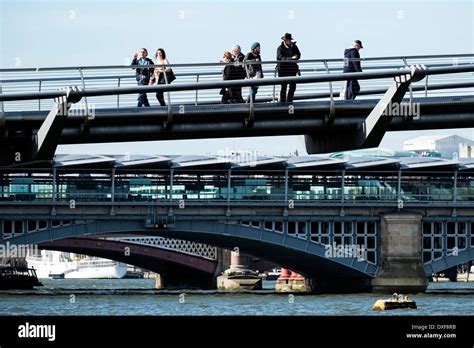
44, 107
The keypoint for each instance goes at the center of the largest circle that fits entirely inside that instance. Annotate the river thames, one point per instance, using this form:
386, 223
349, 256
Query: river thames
138, 297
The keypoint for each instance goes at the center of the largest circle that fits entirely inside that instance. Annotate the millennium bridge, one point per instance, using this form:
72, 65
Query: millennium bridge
43, 107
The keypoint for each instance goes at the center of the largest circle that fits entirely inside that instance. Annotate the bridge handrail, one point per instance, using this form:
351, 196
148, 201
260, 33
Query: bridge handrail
311, 96
189, 74
329, 60
235, 83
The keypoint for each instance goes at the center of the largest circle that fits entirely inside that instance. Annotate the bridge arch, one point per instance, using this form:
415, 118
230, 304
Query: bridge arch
299, 254
450, 261
294, 251
447, 242
130, 253
279, 248
176, 268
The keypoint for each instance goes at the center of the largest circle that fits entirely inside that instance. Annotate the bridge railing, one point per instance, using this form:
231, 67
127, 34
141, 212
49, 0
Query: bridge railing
336, 196
32, 80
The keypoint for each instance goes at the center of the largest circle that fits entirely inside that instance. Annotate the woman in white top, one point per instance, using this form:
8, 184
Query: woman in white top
159, 73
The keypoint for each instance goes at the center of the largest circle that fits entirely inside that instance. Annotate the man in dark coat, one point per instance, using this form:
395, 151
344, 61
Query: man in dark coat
237, 72
255, 70
352, 64
287, 55
226, 72
143, 74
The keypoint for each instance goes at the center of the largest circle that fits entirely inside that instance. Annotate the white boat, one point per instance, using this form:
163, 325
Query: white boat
466, 276
56, 264
273, 274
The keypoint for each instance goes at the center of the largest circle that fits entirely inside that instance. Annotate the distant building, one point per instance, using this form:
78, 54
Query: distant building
446, 146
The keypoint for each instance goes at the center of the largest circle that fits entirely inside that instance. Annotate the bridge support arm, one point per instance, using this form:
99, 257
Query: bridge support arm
372, 130
45, 141
376, 124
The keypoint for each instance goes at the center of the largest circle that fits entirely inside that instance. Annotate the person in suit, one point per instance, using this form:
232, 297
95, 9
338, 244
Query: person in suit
143, 74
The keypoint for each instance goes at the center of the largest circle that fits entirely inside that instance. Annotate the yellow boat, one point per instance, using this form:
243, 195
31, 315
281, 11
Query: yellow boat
396, 302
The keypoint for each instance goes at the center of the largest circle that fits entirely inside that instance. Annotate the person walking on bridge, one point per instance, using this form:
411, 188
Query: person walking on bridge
159, 74
142, 74
237, 73
287, 55
352, 64
226, 70
255, 70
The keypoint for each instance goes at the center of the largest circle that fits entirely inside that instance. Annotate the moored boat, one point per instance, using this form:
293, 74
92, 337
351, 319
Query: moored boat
21, 278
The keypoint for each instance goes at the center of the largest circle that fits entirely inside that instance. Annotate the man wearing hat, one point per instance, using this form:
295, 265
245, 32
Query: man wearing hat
255, 70
287, 55
352, 64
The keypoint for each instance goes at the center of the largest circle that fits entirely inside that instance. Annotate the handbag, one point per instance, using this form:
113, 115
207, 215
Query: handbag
170, 76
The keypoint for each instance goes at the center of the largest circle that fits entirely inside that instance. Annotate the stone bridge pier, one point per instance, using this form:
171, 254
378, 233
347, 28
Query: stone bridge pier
401, 267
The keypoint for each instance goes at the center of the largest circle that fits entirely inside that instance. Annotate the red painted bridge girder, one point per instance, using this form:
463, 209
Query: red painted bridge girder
96, 246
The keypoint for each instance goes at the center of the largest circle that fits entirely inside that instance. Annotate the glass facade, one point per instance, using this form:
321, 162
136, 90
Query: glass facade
242, 186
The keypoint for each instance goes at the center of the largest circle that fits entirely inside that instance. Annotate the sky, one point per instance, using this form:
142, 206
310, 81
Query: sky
65, 33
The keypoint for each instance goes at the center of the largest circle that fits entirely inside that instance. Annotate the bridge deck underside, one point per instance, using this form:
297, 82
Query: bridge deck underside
204, 121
